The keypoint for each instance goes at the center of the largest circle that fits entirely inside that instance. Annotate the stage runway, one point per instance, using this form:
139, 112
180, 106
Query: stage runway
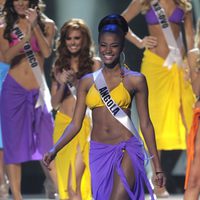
42, 197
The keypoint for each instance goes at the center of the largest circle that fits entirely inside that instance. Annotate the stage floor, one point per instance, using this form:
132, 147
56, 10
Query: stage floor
42, 197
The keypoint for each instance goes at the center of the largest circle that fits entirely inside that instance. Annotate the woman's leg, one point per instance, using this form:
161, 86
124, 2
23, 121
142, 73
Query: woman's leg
14, 176
193, 188
4, 183
50, 183
119, 192
79, 169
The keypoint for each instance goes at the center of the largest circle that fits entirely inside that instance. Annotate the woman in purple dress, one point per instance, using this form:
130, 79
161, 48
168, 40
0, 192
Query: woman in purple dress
116, 151
27, 124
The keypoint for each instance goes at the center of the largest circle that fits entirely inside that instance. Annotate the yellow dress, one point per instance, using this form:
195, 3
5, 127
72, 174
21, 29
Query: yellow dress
66, 157
170, 102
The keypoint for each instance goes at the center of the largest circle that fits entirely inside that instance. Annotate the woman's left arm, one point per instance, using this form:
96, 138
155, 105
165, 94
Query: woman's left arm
44, 41
145, 121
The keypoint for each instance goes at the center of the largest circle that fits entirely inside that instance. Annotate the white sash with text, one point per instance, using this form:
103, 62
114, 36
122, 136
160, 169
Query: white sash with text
174, 55
44, 94
114, 109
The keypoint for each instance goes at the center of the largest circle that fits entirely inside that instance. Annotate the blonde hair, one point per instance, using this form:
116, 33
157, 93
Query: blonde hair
184, 4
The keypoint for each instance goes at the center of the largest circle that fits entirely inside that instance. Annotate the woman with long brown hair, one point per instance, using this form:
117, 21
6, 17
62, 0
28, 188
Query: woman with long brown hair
27, 124
75, 58
170, 92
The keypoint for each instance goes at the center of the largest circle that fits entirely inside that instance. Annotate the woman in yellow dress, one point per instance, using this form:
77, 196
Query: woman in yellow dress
75, 58
170, 93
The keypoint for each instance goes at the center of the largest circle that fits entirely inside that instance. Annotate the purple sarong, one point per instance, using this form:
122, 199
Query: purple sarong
26, 131
105, 159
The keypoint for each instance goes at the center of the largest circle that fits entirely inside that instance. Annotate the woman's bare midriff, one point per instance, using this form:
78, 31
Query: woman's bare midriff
108, 130
67, 106
162, 49
22, 73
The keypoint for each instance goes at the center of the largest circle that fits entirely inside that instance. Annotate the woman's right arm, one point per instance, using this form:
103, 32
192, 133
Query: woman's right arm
129, 13
75, 125
58, 88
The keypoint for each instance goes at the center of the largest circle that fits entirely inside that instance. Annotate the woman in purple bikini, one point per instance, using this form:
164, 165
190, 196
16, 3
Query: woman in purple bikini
170, 92
27, 126
116, 152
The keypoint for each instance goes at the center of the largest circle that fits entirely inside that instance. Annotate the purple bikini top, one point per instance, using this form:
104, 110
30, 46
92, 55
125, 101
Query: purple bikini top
176, 17
33, 43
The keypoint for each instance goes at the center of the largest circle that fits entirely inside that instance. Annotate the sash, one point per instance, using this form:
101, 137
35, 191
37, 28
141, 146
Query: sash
114, 109
174, 54
72, 89
44, 94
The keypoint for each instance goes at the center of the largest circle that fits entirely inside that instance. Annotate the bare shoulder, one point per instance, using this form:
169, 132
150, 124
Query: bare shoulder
97, 63
46, 19
134, 75
135, 81
49, 23
86, 81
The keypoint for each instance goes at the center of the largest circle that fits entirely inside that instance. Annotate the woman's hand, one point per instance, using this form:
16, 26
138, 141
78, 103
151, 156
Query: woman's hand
67, 76
149, 42
31, 16
71, 77
159, 179
48, 157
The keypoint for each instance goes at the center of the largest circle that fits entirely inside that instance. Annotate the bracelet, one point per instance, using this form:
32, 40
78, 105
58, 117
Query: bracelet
161, 172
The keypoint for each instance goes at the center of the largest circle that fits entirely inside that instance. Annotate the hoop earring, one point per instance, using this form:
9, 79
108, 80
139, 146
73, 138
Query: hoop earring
122, 58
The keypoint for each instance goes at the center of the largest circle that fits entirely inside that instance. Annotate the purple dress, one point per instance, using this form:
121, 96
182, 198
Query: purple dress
26, 131
105, 159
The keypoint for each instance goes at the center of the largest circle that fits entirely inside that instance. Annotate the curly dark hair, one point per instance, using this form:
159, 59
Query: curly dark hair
113, 23
11, 16
86, 53
114, 19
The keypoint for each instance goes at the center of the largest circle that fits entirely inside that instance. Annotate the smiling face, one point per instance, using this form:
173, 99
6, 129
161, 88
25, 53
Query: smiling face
20, 6
110, 47
73, 41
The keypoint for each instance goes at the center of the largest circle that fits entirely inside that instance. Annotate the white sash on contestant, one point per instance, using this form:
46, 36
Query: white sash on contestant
44, 94
174, 55
72, 89
114, 109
